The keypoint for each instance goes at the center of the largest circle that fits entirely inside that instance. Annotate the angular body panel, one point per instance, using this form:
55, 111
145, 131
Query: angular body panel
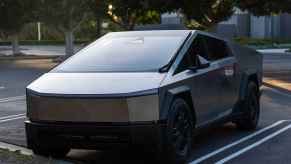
120, 110
124, 85
95, 83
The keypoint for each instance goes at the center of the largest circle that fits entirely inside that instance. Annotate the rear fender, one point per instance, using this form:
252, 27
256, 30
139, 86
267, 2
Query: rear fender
244, 84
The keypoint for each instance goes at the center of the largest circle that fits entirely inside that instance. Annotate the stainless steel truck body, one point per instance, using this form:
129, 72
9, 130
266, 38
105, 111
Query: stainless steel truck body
156, 87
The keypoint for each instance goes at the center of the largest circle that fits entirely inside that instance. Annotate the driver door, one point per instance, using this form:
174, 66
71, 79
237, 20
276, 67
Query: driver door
202, 81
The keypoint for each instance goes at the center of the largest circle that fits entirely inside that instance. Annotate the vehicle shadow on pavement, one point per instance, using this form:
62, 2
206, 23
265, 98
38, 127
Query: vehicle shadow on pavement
127, 156
204, 143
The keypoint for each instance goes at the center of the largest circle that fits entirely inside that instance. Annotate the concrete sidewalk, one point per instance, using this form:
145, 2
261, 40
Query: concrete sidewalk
39, 50
273, 51
15, 154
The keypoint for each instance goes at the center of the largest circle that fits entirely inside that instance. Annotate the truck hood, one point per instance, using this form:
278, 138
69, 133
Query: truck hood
102, 84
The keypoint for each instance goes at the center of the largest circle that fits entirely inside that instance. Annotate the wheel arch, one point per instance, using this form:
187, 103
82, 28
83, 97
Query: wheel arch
171, 95
246, 78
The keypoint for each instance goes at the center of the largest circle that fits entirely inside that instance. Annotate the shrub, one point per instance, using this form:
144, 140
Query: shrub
264, 43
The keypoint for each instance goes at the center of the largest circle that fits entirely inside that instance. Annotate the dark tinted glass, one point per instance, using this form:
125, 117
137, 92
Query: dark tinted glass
191, 57
217, 49
126, 52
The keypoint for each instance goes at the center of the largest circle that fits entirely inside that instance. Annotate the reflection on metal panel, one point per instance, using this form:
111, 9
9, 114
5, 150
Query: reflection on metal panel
78, 110
144, 108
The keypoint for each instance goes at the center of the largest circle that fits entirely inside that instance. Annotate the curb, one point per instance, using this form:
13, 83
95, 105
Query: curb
14, 148
27, 152
277, 87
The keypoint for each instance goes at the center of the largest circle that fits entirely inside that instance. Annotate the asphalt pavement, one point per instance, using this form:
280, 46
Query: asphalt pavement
270, 143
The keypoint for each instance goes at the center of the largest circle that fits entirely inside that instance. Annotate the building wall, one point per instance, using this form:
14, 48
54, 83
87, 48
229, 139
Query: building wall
276, 25
260, 27
271, 26
242, 24
238, 25
285, 26
228, 31
171, 18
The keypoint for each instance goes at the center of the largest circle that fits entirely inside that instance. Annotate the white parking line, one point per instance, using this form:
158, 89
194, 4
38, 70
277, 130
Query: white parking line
203, 158
11, 116
234, 155
12, 99
11, 119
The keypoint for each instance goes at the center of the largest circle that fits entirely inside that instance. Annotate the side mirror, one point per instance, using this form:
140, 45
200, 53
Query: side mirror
201, 66
205, 65
193, 68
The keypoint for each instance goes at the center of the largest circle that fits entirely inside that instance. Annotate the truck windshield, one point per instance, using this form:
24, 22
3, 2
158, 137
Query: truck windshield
126, 52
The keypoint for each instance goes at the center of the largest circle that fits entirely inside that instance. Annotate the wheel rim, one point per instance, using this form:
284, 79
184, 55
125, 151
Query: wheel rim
181, 132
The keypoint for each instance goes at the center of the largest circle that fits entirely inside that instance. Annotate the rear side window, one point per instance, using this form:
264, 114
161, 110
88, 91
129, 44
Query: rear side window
217, 49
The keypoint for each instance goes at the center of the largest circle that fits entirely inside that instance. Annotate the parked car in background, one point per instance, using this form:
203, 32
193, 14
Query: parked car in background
149, 88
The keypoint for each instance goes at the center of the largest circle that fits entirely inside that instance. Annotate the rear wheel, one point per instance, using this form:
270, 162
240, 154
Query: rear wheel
250, 109
179, 132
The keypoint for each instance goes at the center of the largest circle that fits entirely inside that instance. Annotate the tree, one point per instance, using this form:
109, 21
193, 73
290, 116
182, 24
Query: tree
200, 14
66, 16
265, 7
14, 14
99, 9
128, 13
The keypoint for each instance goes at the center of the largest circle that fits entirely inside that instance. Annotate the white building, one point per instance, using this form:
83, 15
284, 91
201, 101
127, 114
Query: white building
243, 24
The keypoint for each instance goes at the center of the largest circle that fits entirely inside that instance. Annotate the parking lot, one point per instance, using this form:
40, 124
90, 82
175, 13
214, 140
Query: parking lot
270, 143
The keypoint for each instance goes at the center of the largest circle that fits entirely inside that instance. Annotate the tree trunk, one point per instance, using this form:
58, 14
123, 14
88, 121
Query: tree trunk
15, 45
69, 43
98, 27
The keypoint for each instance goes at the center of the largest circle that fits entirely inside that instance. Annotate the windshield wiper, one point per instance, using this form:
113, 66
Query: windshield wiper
164, 68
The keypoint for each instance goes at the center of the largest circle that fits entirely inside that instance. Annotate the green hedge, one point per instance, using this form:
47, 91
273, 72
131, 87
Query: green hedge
44, 42
264, 43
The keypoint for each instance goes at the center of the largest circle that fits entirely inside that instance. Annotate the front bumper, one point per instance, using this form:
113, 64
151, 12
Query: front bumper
95, 135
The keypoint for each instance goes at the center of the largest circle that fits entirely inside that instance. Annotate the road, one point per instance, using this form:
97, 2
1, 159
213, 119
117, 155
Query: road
270, 143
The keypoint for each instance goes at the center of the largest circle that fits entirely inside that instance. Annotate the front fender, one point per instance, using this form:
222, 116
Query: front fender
167, 97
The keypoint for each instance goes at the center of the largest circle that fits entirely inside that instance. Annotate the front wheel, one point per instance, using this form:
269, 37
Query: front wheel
56, 152
250, 109
179, 132
48, 146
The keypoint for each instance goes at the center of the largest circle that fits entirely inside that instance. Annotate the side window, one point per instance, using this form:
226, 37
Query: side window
217, 49
191, 57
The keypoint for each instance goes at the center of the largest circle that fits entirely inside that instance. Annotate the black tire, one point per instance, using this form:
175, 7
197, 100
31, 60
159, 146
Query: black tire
49, 150
179, 132
250, 109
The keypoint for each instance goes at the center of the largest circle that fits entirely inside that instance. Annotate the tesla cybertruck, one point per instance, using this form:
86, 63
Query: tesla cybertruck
154, 88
